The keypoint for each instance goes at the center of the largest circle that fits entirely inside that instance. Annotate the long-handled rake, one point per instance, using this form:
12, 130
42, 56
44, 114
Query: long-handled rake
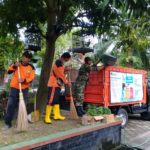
22, 121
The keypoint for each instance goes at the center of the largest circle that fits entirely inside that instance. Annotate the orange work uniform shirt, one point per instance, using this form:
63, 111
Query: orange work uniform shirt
58, 71
27, 72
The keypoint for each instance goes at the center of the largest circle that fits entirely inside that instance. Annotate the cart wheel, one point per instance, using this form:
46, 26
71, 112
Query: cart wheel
122, 113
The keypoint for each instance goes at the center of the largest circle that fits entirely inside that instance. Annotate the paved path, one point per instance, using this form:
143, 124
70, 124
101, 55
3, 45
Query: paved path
137, 132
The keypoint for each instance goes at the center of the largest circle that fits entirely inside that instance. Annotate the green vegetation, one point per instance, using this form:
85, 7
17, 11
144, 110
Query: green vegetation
10, 49
94, 110
134, 43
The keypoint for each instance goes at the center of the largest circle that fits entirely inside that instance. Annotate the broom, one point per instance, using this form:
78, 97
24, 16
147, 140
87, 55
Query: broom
73, 111
22, 121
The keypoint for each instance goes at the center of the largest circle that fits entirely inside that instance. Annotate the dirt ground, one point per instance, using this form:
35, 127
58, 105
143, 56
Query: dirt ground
35, 130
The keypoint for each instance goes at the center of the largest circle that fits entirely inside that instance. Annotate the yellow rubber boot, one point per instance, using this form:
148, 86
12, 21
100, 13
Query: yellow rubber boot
57, 115
48, 114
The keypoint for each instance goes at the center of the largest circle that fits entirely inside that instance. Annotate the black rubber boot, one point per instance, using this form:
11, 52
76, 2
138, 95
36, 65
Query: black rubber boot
80, 111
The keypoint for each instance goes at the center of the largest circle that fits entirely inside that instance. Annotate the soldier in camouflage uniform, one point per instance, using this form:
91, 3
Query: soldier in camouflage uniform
80, 85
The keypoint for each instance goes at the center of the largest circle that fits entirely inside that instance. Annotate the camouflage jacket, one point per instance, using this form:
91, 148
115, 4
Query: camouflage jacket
83, 73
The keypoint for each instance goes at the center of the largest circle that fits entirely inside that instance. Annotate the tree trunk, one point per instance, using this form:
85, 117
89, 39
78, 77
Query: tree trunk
48, 58
45, 72
47, 63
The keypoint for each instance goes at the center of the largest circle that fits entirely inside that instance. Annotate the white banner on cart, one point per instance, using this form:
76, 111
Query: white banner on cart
125, 87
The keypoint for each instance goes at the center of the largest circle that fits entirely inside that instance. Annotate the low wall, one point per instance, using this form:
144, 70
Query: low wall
94, 137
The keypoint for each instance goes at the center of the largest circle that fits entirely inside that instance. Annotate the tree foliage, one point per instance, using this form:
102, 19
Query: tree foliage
66, 14
10, 49
134, 42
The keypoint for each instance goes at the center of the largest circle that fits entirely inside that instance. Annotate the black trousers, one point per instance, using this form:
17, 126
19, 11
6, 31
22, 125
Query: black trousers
12, 104
53, 95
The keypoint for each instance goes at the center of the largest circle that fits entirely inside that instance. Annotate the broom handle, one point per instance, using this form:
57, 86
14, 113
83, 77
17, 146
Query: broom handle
35, 107
70, 87
35, 102
20, 89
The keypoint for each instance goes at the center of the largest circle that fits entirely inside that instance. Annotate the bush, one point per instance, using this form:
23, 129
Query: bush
3, 102
3, 95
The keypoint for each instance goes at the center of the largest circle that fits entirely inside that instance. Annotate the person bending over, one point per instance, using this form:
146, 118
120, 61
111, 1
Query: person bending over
56, 79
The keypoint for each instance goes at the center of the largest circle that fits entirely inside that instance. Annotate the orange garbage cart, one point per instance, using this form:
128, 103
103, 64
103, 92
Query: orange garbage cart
123, 90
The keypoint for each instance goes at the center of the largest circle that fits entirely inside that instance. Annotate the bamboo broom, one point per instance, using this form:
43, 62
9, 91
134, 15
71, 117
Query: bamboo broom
22, 121
73, 111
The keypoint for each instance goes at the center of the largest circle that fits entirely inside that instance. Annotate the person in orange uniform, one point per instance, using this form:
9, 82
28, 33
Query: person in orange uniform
57, 78
27, 74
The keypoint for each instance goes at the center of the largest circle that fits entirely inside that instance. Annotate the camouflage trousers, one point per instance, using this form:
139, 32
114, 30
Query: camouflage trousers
79, 92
